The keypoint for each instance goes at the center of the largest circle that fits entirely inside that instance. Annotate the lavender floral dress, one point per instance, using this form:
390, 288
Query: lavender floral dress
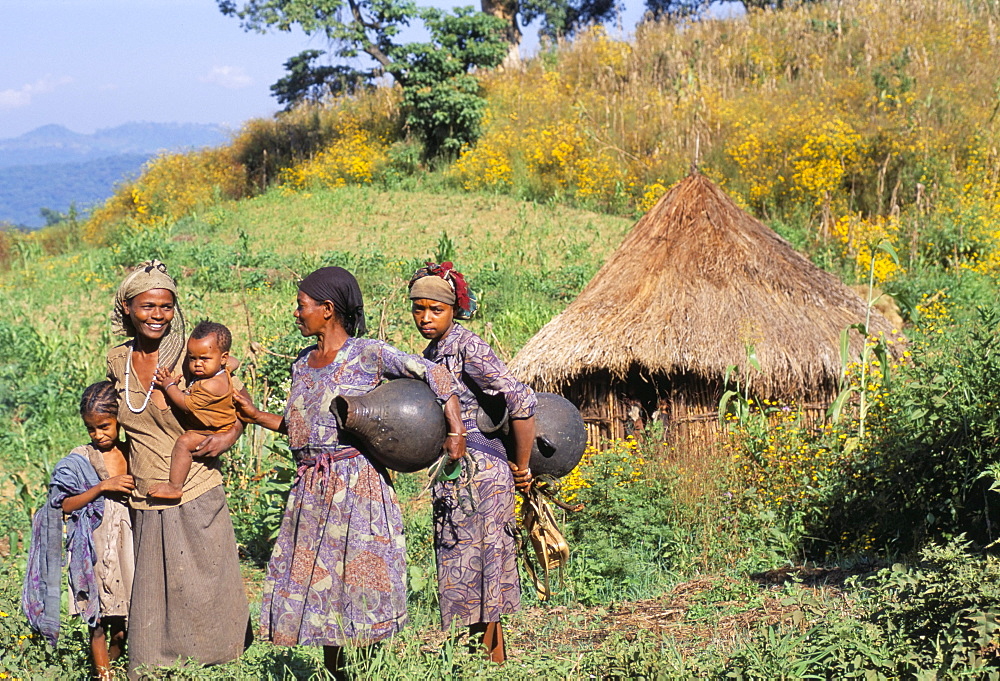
474, 522
338, 571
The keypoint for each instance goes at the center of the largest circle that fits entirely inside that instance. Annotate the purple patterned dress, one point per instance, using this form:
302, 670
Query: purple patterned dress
474, 526
338, 571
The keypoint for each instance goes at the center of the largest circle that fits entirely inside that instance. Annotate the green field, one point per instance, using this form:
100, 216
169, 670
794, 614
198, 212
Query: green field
707, 585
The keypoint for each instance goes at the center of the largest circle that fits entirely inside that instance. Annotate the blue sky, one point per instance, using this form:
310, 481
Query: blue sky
93, 64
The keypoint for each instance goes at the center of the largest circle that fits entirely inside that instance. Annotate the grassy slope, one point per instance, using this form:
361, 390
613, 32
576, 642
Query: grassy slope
59, 307
315, 229
385, 235
408, 225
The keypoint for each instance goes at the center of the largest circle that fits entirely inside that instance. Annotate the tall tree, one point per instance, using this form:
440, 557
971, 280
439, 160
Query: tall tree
566, 17
307, 81
441, 99
660, 9
506, 11
353, 26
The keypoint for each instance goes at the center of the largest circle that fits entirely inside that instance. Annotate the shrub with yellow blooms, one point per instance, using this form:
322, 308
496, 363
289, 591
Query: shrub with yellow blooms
619, 463
778, 465
626, 530
488, 165
651, 193
830, 149
353, 157
859, 238
171, 186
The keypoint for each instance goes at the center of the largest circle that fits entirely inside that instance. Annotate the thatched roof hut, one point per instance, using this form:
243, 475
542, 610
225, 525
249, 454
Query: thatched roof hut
696, 283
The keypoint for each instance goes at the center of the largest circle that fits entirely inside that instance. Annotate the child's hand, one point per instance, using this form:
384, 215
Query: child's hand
163, 379
246, 410
119, 483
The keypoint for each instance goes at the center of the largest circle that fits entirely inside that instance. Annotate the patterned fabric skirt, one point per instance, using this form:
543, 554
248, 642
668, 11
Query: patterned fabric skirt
474, 539
338, 571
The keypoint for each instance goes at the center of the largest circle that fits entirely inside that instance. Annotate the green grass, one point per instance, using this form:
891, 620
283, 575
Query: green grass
238, 263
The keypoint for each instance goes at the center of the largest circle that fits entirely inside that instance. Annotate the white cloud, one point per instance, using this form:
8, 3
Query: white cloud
229, 77
21, 97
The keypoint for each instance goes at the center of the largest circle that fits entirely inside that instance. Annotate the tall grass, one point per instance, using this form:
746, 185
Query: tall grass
844, 124
809, 116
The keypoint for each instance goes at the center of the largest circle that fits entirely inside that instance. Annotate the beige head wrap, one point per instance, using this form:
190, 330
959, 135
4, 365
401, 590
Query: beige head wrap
432, 288
150, 275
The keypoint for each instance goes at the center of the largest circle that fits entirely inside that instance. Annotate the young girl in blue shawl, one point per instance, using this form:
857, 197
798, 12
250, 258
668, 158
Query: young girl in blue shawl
90, 489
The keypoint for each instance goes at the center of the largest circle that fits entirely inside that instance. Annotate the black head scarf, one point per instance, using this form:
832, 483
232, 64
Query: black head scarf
338, 286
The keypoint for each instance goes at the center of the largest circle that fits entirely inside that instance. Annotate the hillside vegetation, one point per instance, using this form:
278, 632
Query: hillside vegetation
865, 133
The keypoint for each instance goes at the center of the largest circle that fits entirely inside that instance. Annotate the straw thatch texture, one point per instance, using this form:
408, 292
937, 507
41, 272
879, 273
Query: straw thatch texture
695, 283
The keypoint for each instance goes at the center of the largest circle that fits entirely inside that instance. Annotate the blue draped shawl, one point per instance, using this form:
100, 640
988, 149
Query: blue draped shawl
41, 596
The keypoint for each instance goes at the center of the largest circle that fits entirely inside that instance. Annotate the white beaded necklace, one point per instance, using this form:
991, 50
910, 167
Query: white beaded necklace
128, 401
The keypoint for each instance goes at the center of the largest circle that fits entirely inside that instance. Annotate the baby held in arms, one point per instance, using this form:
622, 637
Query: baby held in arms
205, 406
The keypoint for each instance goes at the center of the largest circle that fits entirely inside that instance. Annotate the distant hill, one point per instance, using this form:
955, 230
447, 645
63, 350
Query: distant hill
54, 167
56, 144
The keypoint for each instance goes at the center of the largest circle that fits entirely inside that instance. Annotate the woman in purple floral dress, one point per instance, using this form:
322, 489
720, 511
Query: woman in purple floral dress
474, 525
337, 574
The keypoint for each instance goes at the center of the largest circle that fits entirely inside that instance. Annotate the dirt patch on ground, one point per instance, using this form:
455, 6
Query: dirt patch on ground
672, 615
812, 576
690, 614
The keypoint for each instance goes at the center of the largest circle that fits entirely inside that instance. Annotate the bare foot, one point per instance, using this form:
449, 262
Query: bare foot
166, 490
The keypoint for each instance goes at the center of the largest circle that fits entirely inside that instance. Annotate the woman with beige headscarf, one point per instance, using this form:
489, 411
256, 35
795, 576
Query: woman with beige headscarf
188, 599
474, 541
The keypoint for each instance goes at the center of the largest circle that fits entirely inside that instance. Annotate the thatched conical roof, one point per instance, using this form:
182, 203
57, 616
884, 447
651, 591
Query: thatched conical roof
694, 283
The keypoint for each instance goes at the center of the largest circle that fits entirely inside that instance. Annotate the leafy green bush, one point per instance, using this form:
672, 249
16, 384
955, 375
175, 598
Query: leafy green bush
442, 98
626, 539
41, 378
922, 475
945, 607
421, 563
257, 494
24, 654
935, 619
841, 648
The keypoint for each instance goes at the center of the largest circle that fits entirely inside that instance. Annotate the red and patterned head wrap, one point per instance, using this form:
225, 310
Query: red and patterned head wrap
460, 296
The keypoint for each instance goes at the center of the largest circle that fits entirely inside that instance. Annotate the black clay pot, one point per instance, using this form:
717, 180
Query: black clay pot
560, 436
492, 417
399, 424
